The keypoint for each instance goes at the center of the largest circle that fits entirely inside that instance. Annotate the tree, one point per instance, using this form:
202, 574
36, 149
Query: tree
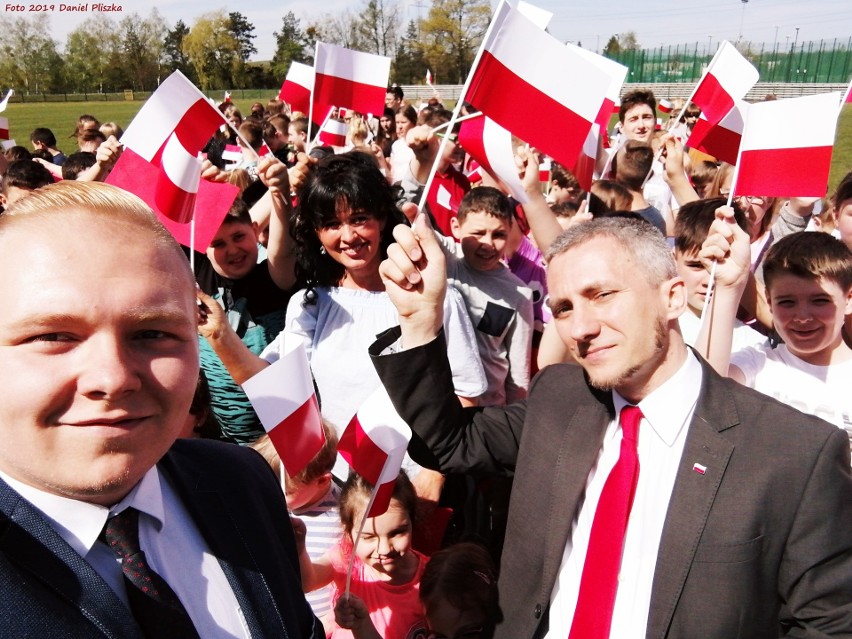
613, 47
291, 45
409, 64
143, 49
243, 32
29, 60
213, 51
94, 48
175, 58
340, 28
451, 35
378, 26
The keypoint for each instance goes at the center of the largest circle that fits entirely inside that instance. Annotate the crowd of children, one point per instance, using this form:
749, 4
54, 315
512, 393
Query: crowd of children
301, 249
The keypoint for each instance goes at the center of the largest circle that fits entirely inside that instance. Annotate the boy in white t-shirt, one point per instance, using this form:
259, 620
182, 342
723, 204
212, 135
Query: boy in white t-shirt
808, 279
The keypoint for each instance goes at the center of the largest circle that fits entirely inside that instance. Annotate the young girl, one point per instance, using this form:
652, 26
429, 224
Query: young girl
384, 601
459, 593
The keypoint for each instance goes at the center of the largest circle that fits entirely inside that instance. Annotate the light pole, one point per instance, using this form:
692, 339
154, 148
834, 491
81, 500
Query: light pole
709, 44
742, 20
796, 41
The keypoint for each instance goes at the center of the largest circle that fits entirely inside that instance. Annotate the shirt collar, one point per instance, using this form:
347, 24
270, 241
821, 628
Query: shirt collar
80, 523
667, 408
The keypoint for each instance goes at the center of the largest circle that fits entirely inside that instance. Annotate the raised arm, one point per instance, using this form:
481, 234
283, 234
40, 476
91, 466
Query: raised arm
543, 225
281, 258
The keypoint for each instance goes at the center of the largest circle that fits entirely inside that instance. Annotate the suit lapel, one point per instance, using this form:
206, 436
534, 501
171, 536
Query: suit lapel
31, 544
702, 467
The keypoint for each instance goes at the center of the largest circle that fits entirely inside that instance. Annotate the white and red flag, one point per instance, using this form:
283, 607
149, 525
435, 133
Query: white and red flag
4, 128
5, 101
282, 395
343, 76
664, 105
333, 132
525, 70
169, 132
786, 147
374, 444
429, 77
297, 87
540, 17
491, 146
722, 141
227, 97
728, 78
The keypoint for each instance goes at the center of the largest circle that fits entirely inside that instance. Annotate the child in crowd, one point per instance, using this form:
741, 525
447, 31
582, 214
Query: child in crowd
459, 593
253, 296
21, 178
498, 302
384, 592
314, 498
691, 227
808, 279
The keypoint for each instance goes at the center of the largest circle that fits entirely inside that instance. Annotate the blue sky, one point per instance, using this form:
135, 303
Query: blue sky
655, 22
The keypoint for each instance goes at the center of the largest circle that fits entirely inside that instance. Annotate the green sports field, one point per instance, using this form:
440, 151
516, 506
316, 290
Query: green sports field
60, 117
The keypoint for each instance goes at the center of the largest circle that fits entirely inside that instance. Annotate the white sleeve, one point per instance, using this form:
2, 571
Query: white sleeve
462, 350
519, 350
750, 361
300, 320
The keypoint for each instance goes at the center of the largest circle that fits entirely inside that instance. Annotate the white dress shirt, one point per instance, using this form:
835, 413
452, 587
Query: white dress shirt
662, 433
173, 547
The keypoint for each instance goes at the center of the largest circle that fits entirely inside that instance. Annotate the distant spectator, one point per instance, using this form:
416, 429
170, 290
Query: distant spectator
276, 107
17, 152
111, 128
394, 96
85, 122
43, 139
21, 178
77, 162
90, 139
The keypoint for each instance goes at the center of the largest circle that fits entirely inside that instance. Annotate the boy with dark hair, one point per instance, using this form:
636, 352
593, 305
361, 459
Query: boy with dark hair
808, 278
254, 295
43, 138
638, 115
76, 163
498, 302
21, 178
563, 186
277, 137
691, 228
631, 166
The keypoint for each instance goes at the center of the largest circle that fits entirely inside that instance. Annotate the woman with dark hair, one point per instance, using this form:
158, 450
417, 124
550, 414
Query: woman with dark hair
401, 154
386, 134
341, 231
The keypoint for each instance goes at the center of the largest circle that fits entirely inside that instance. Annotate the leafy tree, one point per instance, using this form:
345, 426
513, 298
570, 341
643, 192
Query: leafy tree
143, 49
213, 51
340, 28
243, 32
613, 47
629, 42
29, 60
175, 58
378, 26
291, 46
451, 35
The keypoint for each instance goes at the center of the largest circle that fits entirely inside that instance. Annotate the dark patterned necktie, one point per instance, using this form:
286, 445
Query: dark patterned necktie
599, 582
153, 603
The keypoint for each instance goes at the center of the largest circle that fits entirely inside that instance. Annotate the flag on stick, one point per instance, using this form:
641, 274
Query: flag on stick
722, 141
333, 133
491, 146
429, 77
728, 78
664, 105
5, 102
539, 17
796, 163
4, 128
297, 87
356, 79
374, 444
536, 73
283, 397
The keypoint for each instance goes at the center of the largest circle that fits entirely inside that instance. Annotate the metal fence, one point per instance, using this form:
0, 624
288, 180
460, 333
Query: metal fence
816, 61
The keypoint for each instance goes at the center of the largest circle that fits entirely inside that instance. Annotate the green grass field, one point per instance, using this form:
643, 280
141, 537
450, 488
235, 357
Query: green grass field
60, 117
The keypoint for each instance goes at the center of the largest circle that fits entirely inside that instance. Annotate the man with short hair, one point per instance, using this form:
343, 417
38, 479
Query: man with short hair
652, 497
99, 365
631, 166
394, 97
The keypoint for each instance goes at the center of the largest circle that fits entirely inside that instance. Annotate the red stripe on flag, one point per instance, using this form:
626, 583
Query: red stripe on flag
605, 114
299, 437
297, 96
197, 125
472, 140
173, 201
784, 172
495, 90
362, 454
584, 171
330, 90
714, 101
723, 144
381, 501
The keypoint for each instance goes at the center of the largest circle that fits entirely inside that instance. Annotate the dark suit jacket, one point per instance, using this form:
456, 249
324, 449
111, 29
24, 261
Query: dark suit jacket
48, 591
759, 545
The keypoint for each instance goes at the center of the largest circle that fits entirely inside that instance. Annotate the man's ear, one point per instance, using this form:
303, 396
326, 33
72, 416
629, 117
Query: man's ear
675, 292
256, 228
455, 228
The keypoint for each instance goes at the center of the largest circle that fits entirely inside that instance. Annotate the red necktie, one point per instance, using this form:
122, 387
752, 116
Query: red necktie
599, 582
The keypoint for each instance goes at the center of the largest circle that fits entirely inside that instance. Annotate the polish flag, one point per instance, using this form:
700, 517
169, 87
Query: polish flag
491, 146
474, 172
544, 170
4, 128
282, 395
297, 87
664, 106
354, 78
723, 140
5, 102
333, 133
525, 70
584, 167
540, 17
728, 78
374, 444
780, 155
169, 131
227, 96
429, 77
232, 154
